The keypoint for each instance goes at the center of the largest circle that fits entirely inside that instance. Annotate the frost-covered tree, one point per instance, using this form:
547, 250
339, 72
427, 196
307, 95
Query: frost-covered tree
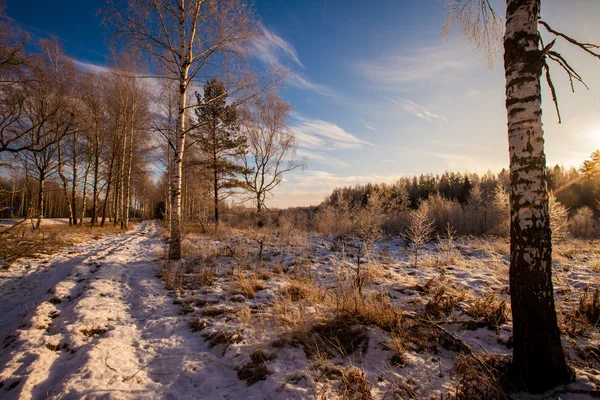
419, 230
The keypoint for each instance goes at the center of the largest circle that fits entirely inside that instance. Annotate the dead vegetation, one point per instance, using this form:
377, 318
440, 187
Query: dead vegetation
336, 301
479, 377
92, 332
490, 310
256, 370
23, 241
246, 285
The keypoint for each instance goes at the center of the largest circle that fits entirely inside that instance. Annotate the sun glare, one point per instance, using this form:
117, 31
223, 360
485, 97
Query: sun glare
593, 137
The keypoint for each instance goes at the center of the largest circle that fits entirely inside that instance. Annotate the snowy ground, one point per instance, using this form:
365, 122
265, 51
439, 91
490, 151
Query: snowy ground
95, 320
45, 222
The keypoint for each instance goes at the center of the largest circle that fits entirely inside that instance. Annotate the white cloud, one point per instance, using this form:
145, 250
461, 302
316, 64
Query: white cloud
316, 133
417, 65
311, 187
297, 198
89, 67
322, 158
419, 110
274, 50
457, 161
370, 126
313, 180
299, 81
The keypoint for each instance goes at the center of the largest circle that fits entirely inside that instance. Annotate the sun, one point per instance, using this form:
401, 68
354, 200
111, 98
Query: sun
592, 137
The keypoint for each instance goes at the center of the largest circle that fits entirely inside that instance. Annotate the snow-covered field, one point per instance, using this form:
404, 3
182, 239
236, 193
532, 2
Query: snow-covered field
249, 316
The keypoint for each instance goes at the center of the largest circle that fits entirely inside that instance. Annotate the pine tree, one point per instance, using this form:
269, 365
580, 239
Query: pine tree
218, 136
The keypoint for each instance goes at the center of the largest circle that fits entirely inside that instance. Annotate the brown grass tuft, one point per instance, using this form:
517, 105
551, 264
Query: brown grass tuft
198, 324
91, 332
354, 384
490, 310
247, 286
479, 377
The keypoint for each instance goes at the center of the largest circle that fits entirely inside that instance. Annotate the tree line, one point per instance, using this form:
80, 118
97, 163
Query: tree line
77, 142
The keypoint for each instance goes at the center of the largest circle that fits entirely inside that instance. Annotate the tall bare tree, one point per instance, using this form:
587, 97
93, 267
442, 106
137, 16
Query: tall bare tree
186, 39
47, 114
271, 146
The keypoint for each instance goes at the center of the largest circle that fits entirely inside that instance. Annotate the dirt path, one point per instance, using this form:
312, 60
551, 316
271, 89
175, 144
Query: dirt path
96, 322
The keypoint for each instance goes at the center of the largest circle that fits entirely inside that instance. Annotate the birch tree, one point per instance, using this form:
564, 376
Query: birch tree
538, 357
271, 147
185, 39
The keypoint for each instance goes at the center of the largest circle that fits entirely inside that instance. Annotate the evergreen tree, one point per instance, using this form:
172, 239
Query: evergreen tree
218, 136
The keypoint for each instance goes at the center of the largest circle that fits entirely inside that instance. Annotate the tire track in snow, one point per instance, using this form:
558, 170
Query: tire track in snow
147, 351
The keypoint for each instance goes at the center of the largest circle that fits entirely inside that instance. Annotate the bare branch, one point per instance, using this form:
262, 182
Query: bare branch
587, 47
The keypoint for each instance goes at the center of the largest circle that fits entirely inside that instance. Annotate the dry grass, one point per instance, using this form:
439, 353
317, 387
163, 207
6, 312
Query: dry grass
396, 344
245, 315
589, 306
372, 309
92, 332
354, 384
172, 274
222, 337
490, 310
256, 370
331, 338
302, 287
198, 324
24, 242
479, 377
444, 300
246, 285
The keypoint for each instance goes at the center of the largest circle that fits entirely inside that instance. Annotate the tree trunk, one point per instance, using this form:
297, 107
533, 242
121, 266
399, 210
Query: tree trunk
538, 358
130, 162
108, 185
74, 181
41, 202
216, 190
65, 183
175, 241
122, 175
96, 160
84, 194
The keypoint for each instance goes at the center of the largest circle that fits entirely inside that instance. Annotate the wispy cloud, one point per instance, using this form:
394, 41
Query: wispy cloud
325, 159
274, 50
417, 65
473, 162
318, 134
418, 110
90, 67
370, 126
301, 82
322, 179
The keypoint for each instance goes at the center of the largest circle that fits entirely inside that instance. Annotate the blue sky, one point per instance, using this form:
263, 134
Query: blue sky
377, 93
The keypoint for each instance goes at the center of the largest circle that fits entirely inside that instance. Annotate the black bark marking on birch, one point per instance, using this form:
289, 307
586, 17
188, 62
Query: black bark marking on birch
538, 358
